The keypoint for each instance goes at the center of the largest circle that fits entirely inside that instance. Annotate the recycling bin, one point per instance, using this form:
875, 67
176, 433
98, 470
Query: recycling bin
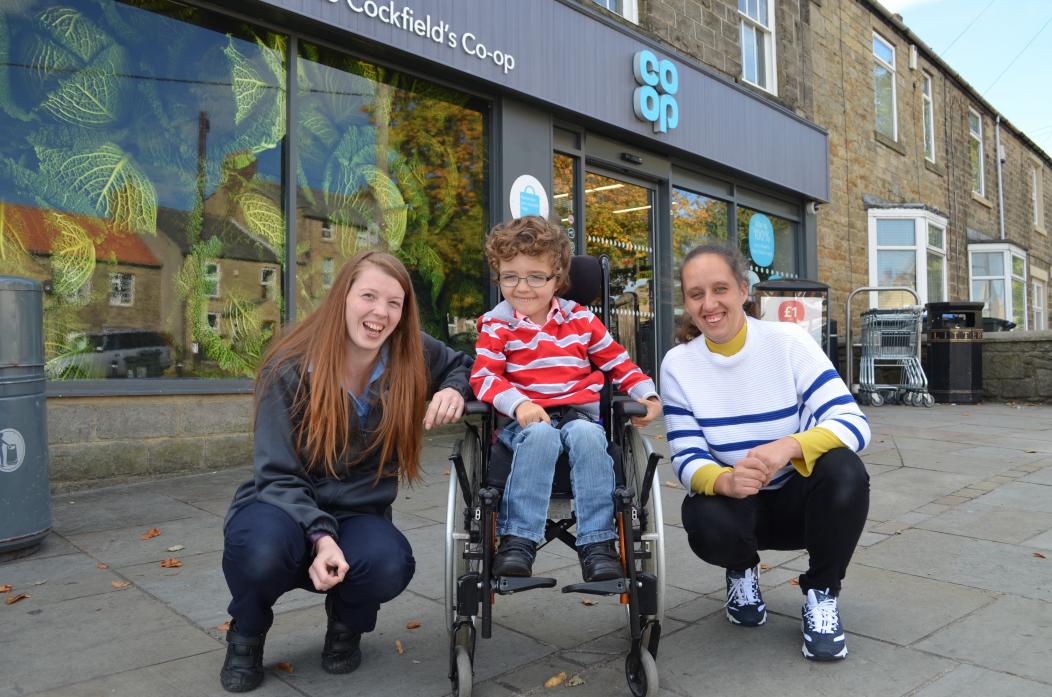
954, 364
25, 500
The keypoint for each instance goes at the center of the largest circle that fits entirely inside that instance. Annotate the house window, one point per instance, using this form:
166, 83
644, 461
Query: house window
1037, 197
211, 278
884, 87
629, 9
929, 118
81, 295
212, 318
1037, 304
327, 271
326, 230
998, 278
268, 282
907, 249
975, 133
122, 289
757, 38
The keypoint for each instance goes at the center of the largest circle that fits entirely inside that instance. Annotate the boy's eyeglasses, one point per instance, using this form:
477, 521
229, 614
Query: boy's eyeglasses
533, 280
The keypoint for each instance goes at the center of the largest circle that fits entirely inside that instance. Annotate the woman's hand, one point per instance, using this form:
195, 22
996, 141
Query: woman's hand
446, 407
747, 478
530, 413
653, 405
329, 566
776, 454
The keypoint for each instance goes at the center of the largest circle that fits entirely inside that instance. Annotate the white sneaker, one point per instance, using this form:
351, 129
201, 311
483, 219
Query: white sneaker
824, 638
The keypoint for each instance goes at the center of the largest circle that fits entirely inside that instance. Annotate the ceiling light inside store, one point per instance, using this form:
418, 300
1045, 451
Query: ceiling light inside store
604, 188
560, 195
630, 210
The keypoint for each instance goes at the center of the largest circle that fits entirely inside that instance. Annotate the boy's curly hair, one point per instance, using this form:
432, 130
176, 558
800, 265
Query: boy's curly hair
533, 236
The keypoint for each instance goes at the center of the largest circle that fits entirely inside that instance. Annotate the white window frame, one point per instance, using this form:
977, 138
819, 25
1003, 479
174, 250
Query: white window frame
894, 87
933, 250
1008, 252
920, 247
770, 75
928, 115
978, 137
124, 295
213, 320
1038, 297
213, 276
326, 230
269, 287
629, 9
1037, 195
331, 273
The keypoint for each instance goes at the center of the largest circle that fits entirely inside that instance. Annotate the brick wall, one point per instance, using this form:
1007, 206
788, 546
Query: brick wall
1018, 366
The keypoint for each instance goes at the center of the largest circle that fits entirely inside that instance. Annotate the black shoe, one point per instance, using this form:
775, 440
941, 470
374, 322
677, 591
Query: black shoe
243, 667
745, 604
341, 653
514, 557
599, 561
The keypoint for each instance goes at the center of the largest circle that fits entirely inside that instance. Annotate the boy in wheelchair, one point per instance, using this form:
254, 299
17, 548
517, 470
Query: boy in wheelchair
540, 361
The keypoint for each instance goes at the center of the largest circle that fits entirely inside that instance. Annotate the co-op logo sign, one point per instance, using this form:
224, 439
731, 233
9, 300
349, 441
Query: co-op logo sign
438, 30
654, 100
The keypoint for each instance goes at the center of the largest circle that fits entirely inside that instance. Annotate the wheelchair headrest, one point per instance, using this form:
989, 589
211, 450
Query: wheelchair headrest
586, 279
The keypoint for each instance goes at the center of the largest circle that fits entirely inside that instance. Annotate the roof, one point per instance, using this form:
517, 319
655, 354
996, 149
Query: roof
37, 233
238, 241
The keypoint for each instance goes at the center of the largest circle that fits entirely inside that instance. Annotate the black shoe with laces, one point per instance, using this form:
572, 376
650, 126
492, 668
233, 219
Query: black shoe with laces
243, 666
514, 557
599, 561
745, 604
341, 653
824, 638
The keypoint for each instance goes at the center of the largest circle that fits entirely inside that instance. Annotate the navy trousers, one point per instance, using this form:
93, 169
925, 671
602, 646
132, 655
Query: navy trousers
266, 554
824, 514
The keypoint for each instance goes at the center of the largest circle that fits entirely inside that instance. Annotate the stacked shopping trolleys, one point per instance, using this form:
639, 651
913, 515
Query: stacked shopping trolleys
889, 340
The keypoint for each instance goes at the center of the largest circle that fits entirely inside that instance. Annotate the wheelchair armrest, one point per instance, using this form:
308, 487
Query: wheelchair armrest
476, 408
625, 407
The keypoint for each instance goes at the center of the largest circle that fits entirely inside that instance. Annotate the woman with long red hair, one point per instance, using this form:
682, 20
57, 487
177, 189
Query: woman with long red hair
341, 404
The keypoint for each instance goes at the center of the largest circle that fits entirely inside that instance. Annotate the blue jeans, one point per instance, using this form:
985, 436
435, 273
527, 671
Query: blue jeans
266, 554
536, 448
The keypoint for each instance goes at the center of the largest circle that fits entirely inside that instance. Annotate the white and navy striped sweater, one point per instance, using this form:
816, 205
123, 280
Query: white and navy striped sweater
779, 383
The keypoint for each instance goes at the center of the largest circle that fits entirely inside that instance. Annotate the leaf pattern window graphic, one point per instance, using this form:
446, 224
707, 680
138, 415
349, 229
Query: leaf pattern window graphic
127, 155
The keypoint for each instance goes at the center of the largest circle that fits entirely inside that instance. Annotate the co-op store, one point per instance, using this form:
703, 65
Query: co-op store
411, 125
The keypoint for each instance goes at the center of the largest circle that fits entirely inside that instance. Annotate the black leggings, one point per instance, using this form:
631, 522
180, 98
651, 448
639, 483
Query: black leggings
823, 513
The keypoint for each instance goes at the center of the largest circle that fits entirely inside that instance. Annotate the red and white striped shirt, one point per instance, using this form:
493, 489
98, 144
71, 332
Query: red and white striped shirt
559, 363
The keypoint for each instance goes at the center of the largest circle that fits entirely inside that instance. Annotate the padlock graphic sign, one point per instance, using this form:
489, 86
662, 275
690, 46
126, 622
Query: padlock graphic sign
529, 202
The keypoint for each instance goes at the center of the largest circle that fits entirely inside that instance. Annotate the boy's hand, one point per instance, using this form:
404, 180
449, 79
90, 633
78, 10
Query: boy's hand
530, 413
653, 405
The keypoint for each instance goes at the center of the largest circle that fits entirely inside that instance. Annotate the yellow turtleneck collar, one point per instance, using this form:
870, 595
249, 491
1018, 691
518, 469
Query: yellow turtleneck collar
729, 348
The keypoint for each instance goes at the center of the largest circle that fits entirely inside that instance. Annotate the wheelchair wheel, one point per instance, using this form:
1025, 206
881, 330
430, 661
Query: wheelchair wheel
641, 673
637, 451
462, 673
457, 537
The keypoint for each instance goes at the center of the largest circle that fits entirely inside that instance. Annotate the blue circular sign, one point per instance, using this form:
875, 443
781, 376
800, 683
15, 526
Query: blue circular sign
761, 239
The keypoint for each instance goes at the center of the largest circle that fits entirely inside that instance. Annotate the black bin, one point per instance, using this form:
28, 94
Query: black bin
954, 364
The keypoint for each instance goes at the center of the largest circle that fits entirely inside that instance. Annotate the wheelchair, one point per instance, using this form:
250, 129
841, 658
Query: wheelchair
479, 466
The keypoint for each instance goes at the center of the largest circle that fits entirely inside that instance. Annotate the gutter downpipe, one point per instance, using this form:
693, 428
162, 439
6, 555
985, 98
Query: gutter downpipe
1000, 180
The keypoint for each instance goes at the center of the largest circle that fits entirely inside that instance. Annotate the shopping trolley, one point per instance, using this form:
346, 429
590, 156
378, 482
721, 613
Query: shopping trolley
890, 340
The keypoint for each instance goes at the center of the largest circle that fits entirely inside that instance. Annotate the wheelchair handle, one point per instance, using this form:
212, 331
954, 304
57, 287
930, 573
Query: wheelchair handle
475, 408
629, 407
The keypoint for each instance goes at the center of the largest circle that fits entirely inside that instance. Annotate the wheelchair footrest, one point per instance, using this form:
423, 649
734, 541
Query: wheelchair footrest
506, 585
614, 586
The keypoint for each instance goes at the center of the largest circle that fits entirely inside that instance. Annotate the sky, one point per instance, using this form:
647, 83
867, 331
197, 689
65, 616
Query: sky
980, 39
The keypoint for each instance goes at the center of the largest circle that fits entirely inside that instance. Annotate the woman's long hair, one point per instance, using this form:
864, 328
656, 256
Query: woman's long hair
686, 330
318, 349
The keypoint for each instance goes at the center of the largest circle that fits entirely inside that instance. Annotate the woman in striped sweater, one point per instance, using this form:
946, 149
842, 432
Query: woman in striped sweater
764, 434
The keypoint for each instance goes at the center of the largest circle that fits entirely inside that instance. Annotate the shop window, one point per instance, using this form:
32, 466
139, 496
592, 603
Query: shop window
122, 289
396, 163
998, 278
884, 96
127, 163
629, 9
757, 42
907, 248
929, 118
769, 243
975, 152
696, 219
1038, 296
564, 177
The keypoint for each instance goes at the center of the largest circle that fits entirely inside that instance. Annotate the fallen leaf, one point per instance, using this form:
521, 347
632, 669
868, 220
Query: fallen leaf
171, 563
151, 533
398, 647
672, 483
284, 666
1029, 451
1039, 555
589, 602
39, 583
120, 584
794, 582
412, 625
175, 548
224, 627
556, 680
575, 681
12, 599
6, 588
445, 472
658, 437
764, 567
102, 565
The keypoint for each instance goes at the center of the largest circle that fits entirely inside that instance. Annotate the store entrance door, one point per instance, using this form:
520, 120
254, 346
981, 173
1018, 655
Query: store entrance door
620, 222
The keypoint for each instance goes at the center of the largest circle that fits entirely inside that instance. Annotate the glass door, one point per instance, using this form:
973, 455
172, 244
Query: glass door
620, 222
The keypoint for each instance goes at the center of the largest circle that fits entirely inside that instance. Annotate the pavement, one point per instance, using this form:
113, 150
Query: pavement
949, 592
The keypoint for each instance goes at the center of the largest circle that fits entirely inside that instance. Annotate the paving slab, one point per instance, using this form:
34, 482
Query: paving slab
972, 681
101, 510
1042, 476
989, 522
908, 488
1021, 496
1023, 647
125, 547
52, 580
